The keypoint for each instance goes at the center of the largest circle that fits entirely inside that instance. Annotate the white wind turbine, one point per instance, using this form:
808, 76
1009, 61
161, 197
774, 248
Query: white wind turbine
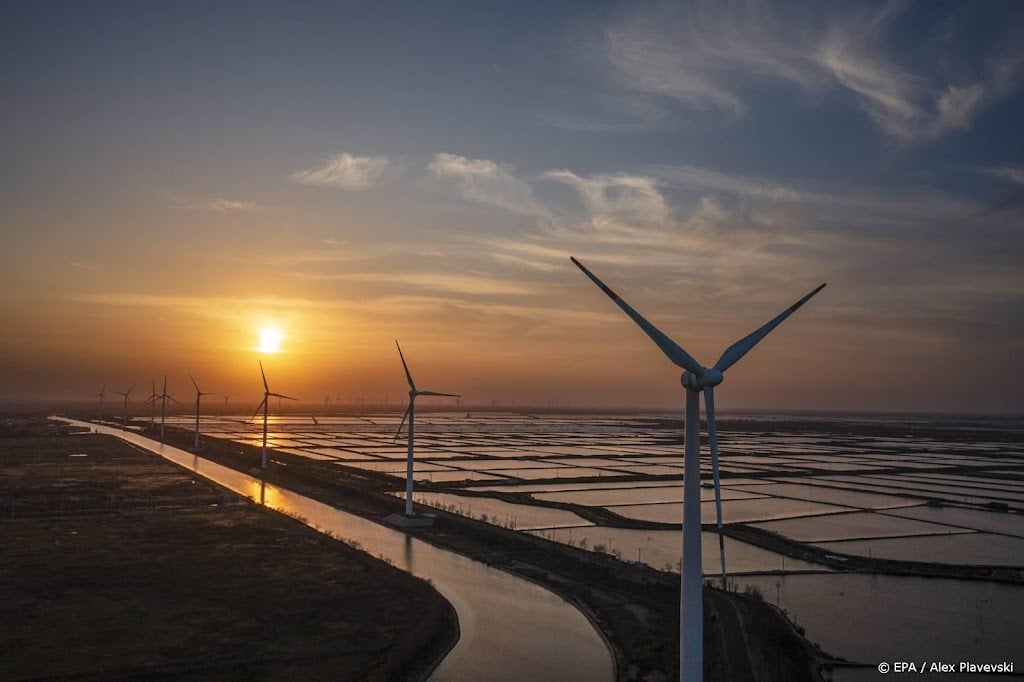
199, 394
410, 414
695, 379
102, 396
126, 394
266, 407
164, 397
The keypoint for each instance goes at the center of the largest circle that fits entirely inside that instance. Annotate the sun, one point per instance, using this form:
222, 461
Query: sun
270, 339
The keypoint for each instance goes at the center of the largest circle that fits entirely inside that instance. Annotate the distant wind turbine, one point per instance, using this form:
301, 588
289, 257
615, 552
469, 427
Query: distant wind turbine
164, 397
695, 379
126, 394
199, 394
102, 396
152, 401
266, 406
410, 414
226, 396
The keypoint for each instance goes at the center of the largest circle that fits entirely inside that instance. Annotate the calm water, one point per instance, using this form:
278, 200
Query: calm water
511, 629
870, 619
821, 482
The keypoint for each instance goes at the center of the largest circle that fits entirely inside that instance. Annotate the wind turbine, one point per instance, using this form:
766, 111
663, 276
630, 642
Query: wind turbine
164, 397
126, 394
102, 395
152, 401
410, 413
199, 394
226, 396
695, 379
266, 406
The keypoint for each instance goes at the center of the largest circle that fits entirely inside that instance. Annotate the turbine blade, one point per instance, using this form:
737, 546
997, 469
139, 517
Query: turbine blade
171, 398
450, 395
258, 409
278, 395
404, 417
670, 348
407, 374
194, 383
131, 389
709, 406
165, 384
266, 389
737, 350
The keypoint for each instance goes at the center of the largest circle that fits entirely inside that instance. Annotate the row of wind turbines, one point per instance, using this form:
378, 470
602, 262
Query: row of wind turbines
164, 396
696, 380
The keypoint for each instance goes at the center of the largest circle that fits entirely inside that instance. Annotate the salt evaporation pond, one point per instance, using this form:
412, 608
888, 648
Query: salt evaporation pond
874, 618
821, 483
660, 549
984, 549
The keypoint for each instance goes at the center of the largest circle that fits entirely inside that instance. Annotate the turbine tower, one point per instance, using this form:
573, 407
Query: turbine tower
126, 394
199, 394
410, 414
266, 406
696, 379
102, 396
152, 401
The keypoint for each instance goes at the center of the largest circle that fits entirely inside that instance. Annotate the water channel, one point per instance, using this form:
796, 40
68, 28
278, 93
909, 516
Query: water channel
510, 628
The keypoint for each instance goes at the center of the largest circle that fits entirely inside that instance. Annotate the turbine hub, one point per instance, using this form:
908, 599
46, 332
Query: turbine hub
692, 382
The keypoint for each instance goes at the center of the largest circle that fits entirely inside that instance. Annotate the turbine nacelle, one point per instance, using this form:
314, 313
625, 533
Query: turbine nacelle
711, 377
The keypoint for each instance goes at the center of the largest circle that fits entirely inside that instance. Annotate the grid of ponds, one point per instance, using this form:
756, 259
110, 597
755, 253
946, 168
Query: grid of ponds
854, 493
940, 499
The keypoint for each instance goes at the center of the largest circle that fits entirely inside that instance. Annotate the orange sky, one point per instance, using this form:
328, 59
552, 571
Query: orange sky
173, 182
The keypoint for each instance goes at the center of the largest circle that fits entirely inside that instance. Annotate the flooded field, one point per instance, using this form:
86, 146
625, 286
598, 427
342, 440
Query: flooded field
912, 489
870, 618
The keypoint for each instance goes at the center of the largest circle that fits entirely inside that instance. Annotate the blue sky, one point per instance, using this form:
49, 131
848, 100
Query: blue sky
177, 174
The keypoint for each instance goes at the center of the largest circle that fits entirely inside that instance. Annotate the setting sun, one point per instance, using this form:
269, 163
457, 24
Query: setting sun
270, 339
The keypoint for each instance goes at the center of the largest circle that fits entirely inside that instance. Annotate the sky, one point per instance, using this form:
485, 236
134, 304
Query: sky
177, 176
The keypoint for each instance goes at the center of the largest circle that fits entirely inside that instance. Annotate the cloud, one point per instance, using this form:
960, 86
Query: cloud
617, 199
486, 182
713, 56
212, 307
910, 106
704, 178
345, 171
464, 284
693, 53
1013, 174
223, 206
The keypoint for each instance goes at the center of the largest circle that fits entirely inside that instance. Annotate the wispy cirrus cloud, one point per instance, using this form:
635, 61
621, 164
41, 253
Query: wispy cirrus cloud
345, 171
710, 55
911, 103
617, 199
693, 53
1013, 174
466, 284
486, 182
221, 205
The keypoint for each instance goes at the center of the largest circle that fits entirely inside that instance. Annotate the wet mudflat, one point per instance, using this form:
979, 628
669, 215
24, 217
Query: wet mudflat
117, 563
